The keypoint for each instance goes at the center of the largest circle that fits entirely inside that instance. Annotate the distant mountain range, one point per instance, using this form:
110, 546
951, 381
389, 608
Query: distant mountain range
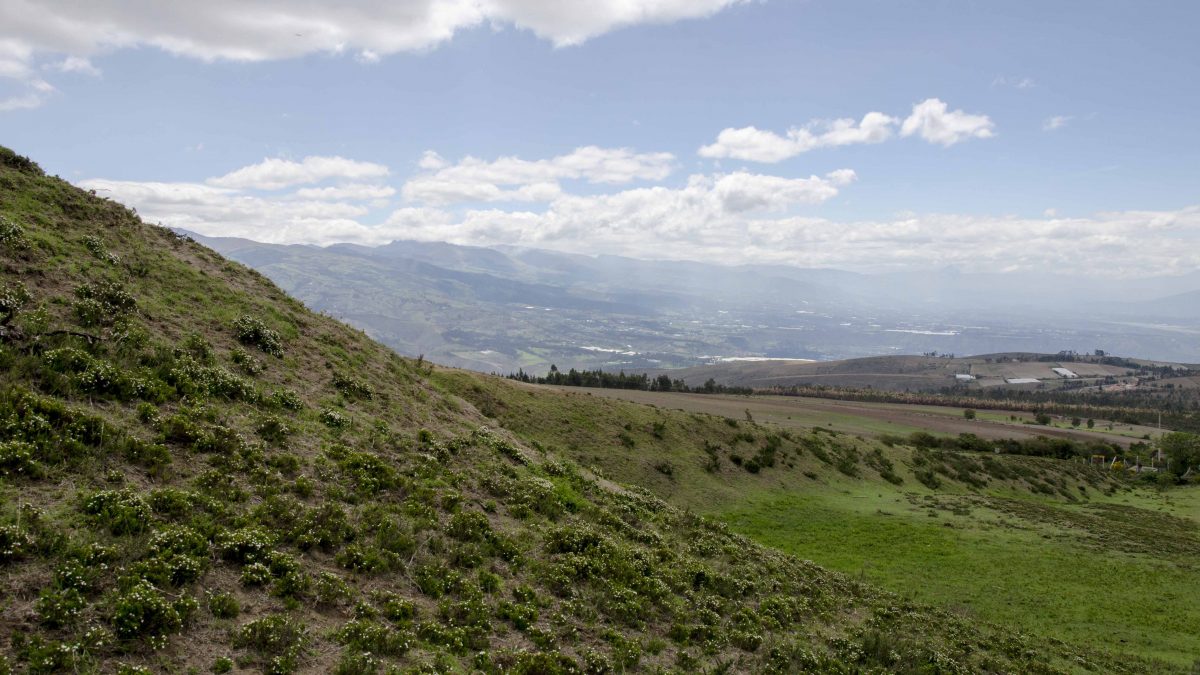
506, 308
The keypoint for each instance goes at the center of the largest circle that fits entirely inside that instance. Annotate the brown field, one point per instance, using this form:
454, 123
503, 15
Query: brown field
865, 419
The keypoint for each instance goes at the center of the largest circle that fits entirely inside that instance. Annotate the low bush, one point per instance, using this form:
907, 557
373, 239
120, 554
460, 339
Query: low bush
253, 332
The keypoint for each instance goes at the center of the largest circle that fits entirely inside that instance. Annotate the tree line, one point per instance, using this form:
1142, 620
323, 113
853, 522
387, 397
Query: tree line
621, 380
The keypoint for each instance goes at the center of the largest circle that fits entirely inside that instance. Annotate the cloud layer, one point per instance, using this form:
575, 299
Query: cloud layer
510, 179
930, 120
725, 218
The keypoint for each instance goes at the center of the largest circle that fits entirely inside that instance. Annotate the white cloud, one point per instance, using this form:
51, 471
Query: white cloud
931, 120
659, 223
1056, 122
432, 161
728, 218
354, 192
516, 179
274, 173
76, 64
225, 212
753, 144
16, 60
259, 30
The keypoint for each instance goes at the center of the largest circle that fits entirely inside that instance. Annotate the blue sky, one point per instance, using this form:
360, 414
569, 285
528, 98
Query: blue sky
1065, 130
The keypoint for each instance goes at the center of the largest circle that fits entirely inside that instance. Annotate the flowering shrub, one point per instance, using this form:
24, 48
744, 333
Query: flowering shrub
121, 511
253, 332
143, 612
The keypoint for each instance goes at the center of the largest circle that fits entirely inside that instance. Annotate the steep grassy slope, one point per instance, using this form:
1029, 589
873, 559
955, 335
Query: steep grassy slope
198, 473
1052, 548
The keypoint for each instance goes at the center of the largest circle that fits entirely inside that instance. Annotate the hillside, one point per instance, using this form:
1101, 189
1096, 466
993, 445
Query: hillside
198, 472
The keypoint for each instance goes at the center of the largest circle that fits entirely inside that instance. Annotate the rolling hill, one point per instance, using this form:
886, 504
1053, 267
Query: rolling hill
199, 473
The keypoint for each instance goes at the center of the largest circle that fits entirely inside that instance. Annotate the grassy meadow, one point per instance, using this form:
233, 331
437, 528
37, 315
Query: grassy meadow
1050, 548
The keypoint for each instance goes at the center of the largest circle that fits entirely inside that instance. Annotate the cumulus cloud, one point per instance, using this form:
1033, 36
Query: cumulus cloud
934, 122
516, 179
275, 173
259, 30
929, 119
757, 145
217, 211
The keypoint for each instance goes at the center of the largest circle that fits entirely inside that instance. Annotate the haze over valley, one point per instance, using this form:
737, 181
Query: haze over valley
503, 309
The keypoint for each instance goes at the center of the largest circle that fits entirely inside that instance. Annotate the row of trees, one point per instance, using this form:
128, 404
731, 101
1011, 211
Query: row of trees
621, 380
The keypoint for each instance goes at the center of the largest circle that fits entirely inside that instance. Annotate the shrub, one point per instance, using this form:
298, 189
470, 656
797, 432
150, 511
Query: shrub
102, 303
253, 332
223, 605
143, 612
286, 399
352, 388
197, 347
12, 299
12, 237
274, 635
16, 459
178, 539
248, 364
395, 608
190, 377
274, 429
469, 526
121, 511
255, 574
59, 607
334, 420
375, 638
330, 589
246, 545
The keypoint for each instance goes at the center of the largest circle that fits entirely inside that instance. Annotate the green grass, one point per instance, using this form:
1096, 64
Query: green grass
1037, 578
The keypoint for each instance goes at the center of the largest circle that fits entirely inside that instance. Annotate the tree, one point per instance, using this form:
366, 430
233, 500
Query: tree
1091, 423
1075, 421
969, 413
1182, 450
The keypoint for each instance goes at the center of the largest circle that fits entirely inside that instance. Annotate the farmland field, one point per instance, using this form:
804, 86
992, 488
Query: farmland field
874, 419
